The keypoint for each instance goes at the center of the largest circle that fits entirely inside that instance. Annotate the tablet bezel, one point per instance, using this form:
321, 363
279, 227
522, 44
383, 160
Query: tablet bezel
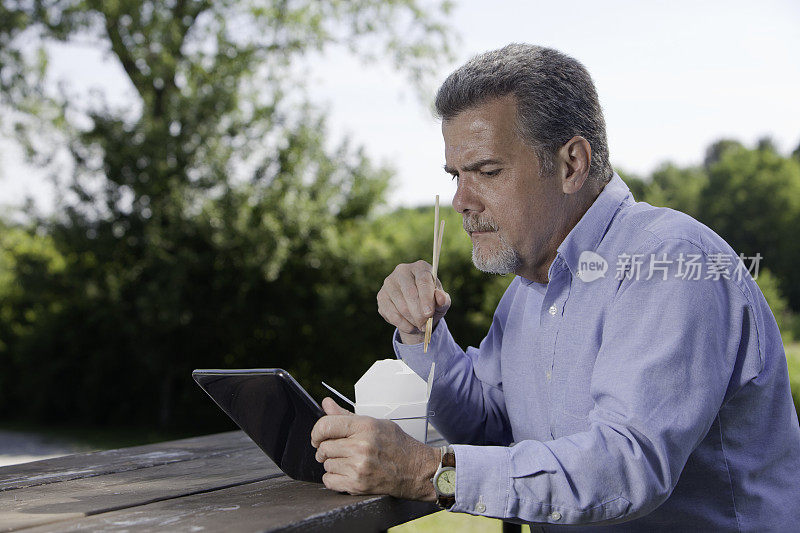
285, 377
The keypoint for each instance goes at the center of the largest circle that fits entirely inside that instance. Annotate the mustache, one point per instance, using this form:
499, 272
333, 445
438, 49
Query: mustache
474, 223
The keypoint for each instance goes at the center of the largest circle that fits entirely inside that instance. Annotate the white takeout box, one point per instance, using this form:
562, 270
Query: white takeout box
390, 389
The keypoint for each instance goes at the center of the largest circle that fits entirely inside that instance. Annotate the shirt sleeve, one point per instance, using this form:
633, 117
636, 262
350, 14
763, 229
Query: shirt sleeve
659, 380
467, 396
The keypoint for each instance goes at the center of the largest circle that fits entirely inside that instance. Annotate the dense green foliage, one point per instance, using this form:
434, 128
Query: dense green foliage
750, 196
315, 315
317, 318
793, 360
200, 223
207, 224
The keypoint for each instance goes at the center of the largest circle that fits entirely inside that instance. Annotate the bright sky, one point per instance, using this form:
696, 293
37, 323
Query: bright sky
672, 78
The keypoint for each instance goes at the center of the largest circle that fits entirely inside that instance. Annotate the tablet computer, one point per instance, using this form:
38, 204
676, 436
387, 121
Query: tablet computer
273, 410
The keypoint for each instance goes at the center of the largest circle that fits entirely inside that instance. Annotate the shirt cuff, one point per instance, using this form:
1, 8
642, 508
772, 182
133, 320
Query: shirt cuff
440, 351
483, 480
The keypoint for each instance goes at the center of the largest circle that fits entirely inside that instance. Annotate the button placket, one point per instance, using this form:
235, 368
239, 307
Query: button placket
550, 328
558, 292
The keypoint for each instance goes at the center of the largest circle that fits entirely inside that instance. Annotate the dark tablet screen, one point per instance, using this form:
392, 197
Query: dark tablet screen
273, 410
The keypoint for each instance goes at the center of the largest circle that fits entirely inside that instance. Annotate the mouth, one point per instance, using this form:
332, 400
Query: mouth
473, 233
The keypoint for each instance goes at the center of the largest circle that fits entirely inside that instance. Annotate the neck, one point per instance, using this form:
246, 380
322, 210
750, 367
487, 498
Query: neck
572, 215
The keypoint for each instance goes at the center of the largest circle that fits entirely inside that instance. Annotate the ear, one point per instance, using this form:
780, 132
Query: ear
574, 159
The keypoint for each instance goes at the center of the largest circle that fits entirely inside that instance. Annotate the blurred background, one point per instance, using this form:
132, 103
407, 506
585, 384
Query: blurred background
192, 184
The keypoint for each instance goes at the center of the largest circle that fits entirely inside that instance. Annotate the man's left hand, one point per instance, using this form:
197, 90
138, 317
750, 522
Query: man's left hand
365, 455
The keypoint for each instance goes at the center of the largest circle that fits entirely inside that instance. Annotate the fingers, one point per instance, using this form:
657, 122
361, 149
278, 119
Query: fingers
338, 465
332, 427
379, 459
354, 474
334, 449
442, 303
409, 292
330, 407
393, 308
408, 297
425, 286
339, 483
342, 448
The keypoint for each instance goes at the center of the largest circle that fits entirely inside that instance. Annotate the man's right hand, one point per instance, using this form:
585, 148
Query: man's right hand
409, 297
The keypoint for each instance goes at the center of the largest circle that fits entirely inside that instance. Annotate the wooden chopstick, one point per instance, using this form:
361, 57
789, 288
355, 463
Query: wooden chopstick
429, 323
435, 268
434, 271
435, 227
438, 231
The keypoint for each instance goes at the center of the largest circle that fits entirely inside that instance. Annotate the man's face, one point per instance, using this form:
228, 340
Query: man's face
509, 210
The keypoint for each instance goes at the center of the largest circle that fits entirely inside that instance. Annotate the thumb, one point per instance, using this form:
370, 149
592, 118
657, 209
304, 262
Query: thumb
442, 300
332, 408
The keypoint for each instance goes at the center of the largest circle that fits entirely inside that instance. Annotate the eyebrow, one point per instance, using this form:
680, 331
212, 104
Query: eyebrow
473, 166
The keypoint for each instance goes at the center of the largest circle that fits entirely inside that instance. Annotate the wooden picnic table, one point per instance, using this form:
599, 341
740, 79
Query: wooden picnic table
221, 482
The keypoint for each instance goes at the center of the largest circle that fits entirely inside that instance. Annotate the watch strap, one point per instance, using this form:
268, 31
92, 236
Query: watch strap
445, 502
448, 460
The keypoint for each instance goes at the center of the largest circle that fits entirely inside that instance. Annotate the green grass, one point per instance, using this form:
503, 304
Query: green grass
444, 521
793, 360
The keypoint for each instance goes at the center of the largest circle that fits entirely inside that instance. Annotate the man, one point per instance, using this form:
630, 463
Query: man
633, 377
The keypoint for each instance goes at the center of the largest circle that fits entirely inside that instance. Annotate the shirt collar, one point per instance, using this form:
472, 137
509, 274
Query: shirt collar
590, 229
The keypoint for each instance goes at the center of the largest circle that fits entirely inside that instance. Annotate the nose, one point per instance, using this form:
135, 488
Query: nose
465, 199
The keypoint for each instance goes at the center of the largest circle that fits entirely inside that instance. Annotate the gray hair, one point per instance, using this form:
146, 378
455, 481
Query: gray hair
556, 100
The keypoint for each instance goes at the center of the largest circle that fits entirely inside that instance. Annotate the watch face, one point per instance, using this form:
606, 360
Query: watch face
446, 482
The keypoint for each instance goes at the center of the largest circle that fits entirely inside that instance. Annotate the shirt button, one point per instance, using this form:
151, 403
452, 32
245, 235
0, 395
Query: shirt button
555, 516
553, 310
548, 375
480, 508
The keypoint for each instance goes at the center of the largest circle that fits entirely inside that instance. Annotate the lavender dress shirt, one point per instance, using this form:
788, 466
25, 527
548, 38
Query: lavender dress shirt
635, 398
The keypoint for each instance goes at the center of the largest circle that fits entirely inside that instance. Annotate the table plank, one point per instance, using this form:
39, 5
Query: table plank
85, 465
277, 504
31, 506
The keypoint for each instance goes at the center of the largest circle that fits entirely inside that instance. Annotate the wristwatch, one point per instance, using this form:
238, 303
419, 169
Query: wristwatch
444, 480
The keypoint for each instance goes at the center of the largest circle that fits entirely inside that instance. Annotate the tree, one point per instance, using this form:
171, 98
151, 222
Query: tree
635, 183
678, 188
717, 149
769, 286
670, 186
188, 211
27, 262
753, 201
751, 197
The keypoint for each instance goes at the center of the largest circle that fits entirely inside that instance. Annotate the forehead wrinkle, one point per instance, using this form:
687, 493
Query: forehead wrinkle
478, 144
481, 133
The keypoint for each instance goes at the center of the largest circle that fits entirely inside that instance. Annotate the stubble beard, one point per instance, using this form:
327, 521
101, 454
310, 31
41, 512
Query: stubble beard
504, 260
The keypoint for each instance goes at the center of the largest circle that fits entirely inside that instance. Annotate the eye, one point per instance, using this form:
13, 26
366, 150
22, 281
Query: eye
492, 173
